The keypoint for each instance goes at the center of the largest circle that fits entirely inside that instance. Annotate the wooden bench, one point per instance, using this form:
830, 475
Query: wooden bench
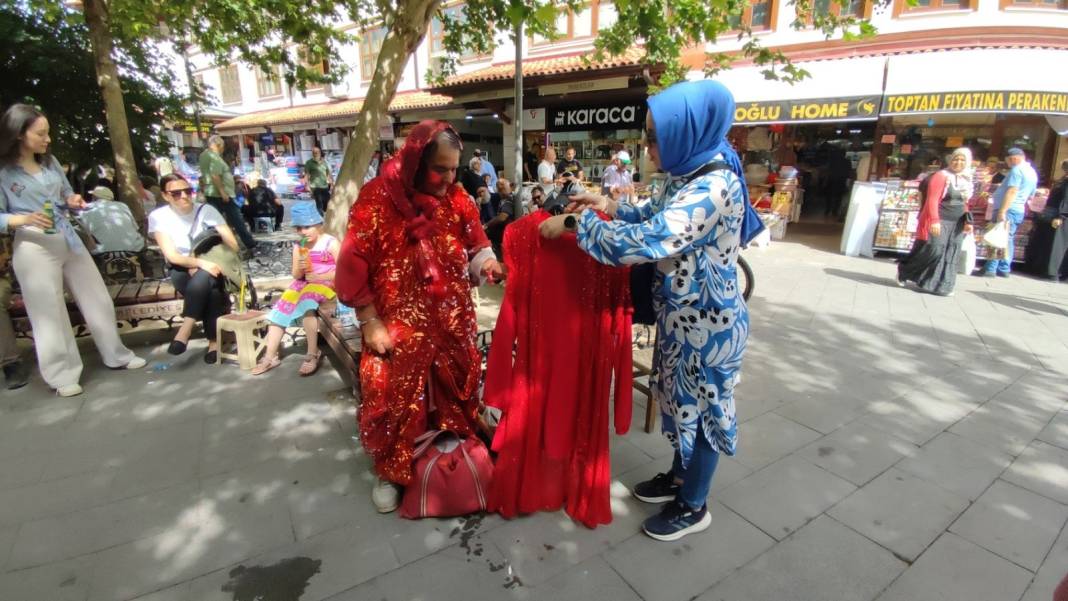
346, 344
134, 302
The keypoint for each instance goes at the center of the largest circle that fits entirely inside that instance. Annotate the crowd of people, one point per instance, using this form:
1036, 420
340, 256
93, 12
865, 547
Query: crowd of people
945, 219
423, 232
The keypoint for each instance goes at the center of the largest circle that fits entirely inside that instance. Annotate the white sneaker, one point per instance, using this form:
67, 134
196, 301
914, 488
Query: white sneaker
69, 390
136, 363
386, 496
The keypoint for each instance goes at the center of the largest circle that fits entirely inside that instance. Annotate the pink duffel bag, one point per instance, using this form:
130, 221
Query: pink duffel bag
452, 476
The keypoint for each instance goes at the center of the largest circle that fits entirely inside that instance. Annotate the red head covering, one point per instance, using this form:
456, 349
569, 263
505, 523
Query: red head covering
400, 171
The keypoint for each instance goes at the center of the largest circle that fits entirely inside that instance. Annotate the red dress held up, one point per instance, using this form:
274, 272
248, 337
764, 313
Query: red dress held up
409, 253
568, 319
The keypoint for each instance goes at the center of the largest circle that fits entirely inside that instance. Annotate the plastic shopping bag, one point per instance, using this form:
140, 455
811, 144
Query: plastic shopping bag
967, 255
997, 236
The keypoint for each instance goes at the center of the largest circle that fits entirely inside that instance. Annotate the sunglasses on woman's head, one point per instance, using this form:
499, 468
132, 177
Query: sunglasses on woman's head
176, 194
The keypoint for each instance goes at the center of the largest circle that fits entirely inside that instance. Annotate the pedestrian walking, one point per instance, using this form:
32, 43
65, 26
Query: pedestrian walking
36, 201
1049, 237
317, 176
217, 185
944, 220
1010, 199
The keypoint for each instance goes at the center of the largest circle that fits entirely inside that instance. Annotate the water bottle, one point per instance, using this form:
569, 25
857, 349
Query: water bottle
346, 316
51, 213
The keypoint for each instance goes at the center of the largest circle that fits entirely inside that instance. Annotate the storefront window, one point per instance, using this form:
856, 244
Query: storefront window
759, 15
370, 45
853, 8
268, 84
905, 7
570, 26
437, 37
230, 84
1046, 4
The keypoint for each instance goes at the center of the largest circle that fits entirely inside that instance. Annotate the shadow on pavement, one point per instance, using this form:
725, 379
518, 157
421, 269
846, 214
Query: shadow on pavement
1014, 301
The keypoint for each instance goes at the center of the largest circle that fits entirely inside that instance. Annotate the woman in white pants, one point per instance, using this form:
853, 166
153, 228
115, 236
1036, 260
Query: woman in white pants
49, 252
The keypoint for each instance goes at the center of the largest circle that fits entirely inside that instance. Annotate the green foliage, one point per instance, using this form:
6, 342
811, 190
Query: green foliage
474, 28
664, 28
271, 34
47, 62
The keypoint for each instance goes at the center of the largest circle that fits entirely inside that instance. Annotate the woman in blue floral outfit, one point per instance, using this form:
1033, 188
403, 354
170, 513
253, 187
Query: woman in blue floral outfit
693, 233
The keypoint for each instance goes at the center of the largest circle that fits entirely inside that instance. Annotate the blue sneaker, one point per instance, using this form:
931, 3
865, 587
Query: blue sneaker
660, 489
676, 520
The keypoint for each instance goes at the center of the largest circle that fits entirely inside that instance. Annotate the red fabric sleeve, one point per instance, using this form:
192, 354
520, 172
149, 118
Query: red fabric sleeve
936, 189
357, 257
474, 236
498, 389
623, 362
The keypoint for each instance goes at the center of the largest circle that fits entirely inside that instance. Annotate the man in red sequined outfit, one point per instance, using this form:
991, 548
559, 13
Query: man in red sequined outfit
414, 248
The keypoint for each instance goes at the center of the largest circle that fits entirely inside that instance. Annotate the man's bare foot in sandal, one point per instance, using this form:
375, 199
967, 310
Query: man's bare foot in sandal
311, 363
266, 364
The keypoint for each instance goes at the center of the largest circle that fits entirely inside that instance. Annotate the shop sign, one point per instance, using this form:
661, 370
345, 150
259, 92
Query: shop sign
533, 119
626, 116
853, 108
590, 85
1050, 103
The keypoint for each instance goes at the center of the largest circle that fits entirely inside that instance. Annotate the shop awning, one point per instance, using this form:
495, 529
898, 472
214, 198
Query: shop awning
554, 66
983, 80
329, 111
837, 90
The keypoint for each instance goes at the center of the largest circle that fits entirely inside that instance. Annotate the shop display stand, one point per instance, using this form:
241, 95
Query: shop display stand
899, 215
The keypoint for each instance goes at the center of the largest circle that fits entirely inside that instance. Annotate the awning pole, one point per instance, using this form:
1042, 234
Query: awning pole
517, 178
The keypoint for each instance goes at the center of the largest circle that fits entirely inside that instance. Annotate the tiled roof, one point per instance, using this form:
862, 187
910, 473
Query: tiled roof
329, 111
539, 67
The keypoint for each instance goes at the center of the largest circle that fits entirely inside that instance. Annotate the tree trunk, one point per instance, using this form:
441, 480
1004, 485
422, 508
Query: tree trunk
107, 77
407, 30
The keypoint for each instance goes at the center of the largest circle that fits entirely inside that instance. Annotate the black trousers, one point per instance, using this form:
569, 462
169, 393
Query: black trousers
250, 216
232, 213
205, 298
322, 198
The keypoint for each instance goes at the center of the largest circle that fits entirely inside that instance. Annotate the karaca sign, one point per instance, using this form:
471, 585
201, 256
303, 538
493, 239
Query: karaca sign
853, 108
625, 116
978, 102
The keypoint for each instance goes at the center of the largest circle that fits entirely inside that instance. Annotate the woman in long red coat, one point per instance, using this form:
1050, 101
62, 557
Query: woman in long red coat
414, 247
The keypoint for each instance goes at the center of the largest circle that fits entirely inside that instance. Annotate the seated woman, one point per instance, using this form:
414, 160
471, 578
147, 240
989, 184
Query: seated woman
199, 282
314, 266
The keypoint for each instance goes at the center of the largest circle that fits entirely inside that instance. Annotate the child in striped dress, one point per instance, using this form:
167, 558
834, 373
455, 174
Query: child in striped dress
314, 265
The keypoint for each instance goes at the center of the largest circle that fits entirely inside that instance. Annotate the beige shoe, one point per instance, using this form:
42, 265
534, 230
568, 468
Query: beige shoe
386, 496
69, 390
136, 363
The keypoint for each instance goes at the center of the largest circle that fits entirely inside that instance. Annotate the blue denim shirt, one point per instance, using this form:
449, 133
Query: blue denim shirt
1025, 180
22, 193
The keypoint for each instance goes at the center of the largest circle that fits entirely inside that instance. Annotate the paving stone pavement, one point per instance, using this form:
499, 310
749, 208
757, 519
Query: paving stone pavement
894, 446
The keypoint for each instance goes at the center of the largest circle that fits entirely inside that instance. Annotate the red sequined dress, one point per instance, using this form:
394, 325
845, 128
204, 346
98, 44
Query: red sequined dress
568, 320
411, 259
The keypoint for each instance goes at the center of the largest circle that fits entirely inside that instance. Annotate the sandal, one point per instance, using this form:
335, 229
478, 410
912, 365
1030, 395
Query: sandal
265, 365
311, 364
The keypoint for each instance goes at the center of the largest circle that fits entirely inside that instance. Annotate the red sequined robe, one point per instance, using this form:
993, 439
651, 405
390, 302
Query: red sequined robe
435, 361
568, 319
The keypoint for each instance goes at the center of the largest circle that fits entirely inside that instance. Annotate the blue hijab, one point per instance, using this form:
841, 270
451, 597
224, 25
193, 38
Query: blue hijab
692, 120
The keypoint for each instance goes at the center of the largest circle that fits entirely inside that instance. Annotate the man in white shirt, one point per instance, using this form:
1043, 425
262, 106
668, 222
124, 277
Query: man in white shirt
617, 181
111, 223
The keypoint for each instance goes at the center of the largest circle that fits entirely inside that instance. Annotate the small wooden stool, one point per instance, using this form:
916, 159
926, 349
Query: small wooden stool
248, 332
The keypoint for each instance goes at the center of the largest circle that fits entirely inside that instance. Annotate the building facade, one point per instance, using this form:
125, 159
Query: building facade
939, 74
